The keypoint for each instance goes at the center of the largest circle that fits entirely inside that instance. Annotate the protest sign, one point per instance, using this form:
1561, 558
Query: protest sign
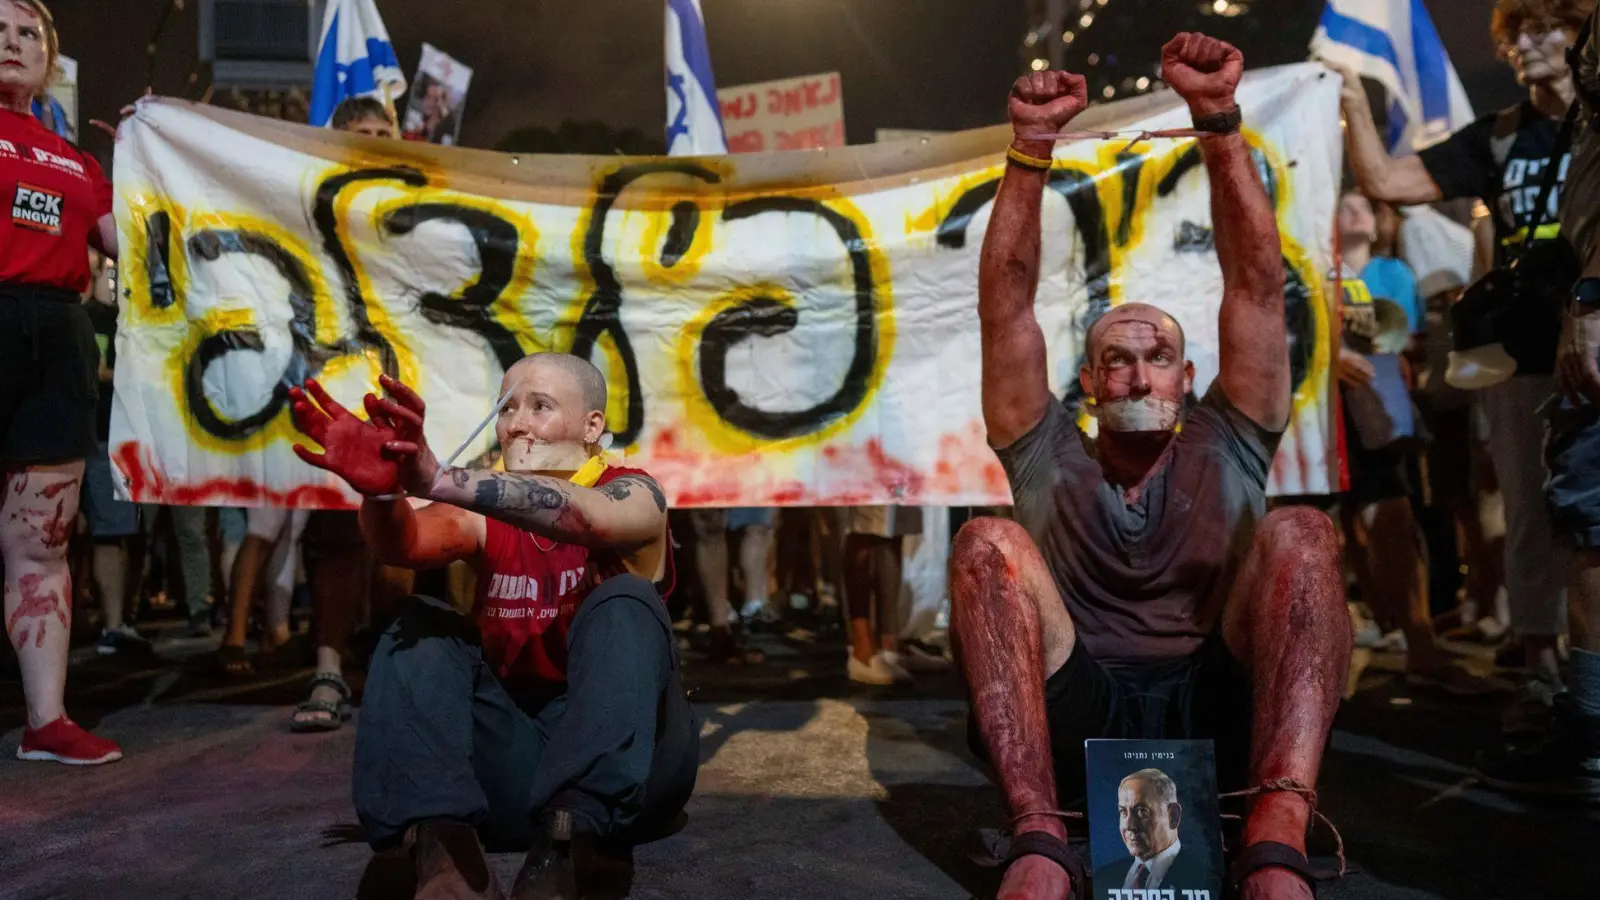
776, 329
438, 98
788, 114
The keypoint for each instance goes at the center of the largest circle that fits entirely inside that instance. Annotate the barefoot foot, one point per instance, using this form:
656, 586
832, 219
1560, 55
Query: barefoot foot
1035, 878
1275, 884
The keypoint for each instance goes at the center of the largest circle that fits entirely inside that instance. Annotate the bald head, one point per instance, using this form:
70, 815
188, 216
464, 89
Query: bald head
590, 384
1134, 312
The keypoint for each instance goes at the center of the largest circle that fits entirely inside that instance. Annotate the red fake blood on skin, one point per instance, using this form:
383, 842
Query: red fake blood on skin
35, 604
51, 491
58, 527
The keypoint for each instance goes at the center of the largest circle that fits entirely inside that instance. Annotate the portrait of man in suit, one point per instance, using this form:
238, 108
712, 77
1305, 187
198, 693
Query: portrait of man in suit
1148, 816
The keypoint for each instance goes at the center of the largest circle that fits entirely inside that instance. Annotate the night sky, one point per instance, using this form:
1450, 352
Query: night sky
933, 64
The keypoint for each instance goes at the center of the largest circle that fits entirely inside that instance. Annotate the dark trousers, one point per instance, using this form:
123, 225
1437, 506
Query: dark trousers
441, 737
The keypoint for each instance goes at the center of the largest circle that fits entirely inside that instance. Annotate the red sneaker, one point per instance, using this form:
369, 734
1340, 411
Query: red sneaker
65, 742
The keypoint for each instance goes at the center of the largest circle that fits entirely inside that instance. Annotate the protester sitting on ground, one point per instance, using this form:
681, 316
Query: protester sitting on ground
1384, 542
112, 523
340, 570
553, 718
1143, 591
1501, 159
61, 208
711, 528
874, 547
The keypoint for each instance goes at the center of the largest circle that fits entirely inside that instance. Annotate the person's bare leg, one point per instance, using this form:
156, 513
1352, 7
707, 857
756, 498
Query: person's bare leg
337, 584
755, 553
252, 555
886, 600
711, 561
1011, 632
1399, 568
859, 565
1286, 622
110, 567
39, 507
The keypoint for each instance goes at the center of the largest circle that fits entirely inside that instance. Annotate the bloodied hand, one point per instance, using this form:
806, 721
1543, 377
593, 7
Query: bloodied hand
1042, 103
353, 448
402, 410
1203, 71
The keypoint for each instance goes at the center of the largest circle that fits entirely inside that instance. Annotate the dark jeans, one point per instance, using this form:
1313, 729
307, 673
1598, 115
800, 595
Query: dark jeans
441, 737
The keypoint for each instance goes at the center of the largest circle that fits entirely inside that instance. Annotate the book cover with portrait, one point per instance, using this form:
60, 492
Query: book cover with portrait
1155, 830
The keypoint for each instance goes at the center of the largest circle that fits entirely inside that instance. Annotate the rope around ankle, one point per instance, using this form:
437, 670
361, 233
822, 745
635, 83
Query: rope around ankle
1290, 786
1053, 813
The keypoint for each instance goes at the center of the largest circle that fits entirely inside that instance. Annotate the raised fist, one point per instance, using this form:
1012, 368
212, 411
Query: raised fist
1203, 71
1042, 103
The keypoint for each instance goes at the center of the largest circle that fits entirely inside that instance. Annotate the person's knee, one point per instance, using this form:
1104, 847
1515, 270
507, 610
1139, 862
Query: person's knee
425, 631
1301, 553
622, 602
985, 550
1299, 537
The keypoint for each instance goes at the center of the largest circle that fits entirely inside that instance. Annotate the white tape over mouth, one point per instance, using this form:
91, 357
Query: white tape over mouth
1143, 414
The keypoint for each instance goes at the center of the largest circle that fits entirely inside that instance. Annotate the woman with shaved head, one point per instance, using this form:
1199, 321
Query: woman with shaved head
552, 719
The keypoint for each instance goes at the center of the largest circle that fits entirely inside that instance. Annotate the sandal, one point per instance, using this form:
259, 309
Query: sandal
1271, 854
325, 715
234, 662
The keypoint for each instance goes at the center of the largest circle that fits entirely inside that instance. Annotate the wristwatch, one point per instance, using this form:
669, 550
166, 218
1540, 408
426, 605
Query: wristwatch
1586, 293
1225, 122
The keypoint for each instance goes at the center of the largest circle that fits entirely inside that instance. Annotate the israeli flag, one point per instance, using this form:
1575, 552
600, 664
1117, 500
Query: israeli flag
694, 120
1394, 43
356, 59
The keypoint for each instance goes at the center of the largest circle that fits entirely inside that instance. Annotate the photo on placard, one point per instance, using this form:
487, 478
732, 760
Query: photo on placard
438, 98
1155, 829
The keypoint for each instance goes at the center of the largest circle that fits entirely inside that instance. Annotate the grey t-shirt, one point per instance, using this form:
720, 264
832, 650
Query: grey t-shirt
1145, 582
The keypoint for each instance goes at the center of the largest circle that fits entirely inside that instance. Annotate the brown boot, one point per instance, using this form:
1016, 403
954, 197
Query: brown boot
450, 862
568, 863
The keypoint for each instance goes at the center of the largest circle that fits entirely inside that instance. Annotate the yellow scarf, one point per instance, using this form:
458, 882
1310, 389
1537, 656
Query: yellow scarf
588, 475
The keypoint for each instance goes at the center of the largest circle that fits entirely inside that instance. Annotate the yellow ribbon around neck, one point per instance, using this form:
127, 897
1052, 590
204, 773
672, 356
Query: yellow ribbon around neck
590, 472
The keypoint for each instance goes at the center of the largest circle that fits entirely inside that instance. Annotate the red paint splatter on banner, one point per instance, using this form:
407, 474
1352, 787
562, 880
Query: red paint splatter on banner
145, 483
51, 491
35, 604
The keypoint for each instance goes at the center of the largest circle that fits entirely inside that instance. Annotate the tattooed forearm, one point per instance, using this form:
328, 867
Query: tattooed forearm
558, 509
622, 488
538, 504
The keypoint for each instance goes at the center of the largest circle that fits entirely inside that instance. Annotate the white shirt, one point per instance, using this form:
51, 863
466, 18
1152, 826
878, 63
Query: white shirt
1158, 867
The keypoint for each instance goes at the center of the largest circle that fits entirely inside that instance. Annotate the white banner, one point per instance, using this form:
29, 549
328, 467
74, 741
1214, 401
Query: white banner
776, 329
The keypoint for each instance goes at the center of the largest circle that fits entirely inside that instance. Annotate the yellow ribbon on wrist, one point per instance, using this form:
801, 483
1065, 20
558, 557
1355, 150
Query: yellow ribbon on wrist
1028, 162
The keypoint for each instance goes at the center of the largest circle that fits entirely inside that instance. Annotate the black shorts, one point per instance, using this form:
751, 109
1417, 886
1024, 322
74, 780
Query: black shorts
49, 376
1202, 696
1572, 451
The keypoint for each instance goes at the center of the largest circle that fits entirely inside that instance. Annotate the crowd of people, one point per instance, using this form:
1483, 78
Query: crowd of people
1143, 585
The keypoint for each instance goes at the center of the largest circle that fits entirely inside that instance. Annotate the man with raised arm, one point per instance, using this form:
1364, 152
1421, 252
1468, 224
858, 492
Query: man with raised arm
1143, 592
552, 719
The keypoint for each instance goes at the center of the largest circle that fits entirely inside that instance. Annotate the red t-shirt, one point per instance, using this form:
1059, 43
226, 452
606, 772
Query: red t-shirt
53, 198
529, 591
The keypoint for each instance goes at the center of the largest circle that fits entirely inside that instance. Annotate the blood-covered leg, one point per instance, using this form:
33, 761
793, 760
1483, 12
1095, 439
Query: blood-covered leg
1286, 621
1012, 631
36, 516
